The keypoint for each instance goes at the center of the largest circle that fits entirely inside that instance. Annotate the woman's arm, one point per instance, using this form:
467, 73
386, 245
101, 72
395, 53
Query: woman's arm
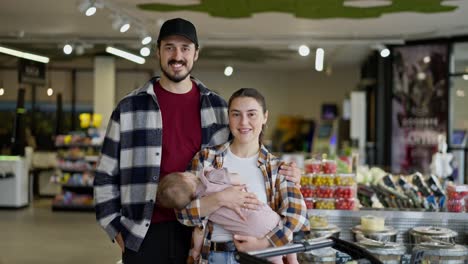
290, 205
233, 197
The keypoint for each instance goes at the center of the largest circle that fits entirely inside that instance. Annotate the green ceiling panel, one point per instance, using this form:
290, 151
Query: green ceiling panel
313, 9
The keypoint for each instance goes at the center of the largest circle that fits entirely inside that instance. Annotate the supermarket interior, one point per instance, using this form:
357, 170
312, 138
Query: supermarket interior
366, 97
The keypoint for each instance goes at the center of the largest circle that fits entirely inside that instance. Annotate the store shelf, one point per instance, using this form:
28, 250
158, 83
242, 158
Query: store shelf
403, 221
80, 189
77, 162
91, 158
78, 146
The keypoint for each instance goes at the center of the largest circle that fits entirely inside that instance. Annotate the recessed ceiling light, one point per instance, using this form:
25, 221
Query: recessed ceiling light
427, 59
385, 53
303, 50
366, 3
145, 51
228, 71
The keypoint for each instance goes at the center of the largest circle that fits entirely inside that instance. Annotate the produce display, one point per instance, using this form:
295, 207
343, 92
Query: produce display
379, 189
328, 185
457, 198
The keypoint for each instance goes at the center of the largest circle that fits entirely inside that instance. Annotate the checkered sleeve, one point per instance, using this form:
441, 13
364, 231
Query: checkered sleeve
107, 180
293, 212
190, 215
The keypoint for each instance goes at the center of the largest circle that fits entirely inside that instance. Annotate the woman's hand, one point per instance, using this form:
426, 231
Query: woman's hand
236, 198
249, 243
292, 173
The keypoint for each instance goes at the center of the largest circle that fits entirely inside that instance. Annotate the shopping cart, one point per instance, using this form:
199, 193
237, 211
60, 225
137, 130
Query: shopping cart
354, 251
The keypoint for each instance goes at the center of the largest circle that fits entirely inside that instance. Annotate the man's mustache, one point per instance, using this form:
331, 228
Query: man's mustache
176, 61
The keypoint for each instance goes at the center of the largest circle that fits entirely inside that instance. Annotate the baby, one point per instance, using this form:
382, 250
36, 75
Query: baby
178, 189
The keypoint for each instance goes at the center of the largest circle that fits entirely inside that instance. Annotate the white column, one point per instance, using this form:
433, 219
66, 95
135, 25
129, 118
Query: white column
104, 87
358, 122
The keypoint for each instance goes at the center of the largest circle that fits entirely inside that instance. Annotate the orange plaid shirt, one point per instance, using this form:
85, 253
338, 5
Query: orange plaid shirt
283, 197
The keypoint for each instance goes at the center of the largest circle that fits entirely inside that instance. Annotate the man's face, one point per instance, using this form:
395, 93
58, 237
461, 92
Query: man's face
177, 55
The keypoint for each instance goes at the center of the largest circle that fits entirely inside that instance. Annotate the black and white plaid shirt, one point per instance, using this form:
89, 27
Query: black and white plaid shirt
127, 175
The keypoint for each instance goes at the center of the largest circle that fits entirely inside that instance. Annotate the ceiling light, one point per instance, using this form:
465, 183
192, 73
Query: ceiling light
146, 40
460, 93
366, 3
24, 55
121, 24
465, 77
50, 92
319, 56
125, 55
125, 27
427, 59
145, 51
303, 50
91, 11
2, 91
68, 49
88, 7
228, 71
385, 53
421, 76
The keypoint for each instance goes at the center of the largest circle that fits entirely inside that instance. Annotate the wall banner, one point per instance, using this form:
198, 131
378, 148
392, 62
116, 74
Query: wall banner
419, 105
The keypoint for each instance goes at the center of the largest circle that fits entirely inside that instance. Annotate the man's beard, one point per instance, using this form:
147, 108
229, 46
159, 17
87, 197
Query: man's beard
175, 78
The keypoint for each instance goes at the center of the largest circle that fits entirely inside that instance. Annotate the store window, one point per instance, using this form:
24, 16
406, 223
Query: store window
459, 109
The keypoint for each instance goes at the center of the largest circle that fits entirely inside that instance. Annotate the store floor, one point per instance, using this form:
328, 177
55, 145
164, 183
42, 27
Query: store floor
36, 235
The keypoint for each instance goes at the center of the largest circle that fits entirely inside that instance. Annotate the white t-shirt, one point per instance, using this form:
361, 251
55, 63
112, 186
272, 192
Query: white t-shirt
250, 175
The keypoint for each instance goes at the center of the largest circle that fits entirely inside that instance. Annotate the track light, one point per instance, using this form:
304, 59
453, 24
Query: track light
125, 55
121, 24
24, 55
88, 7
146, 39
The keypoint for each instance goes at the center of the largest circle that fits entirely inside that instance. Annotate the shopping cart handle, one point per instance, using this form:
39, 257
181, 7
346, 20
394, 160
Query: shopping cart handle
300, 246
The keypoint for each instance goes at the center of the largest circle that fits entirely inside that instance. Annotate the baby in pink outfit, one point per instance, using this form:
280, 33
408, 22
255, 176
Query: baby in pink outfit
176, 190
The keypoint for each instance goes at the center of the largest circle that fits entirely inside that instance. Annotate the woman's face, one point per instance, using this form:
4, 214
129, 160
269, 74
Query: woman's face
246, 118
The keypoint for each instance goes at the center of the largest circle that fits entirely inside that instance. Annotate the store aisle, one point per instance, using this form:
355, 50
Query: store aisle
36, 235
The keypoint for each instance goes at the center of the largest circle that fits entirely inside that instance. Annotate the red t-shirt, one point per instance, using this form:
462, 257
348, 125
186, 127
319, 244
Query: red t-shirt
181, 138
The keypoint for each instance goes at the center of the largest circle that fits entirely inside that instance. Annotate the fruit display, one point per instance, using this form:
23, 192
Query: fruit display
329, 166
457, 196
309, 202
325, 192
313, 166
323, 180
307, 179
345, 203
345, 179
308, 192
327, 189
344, 192
324, 203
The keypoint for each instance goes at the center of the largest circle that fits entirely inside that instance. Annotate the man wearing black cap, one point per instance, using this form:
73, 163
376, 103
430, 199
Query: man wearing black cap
153, 131
137, 151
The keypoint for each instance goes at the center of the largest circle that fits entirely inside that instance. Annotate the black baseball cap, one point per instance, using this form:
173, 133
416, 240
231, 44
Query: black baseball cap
178, 26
